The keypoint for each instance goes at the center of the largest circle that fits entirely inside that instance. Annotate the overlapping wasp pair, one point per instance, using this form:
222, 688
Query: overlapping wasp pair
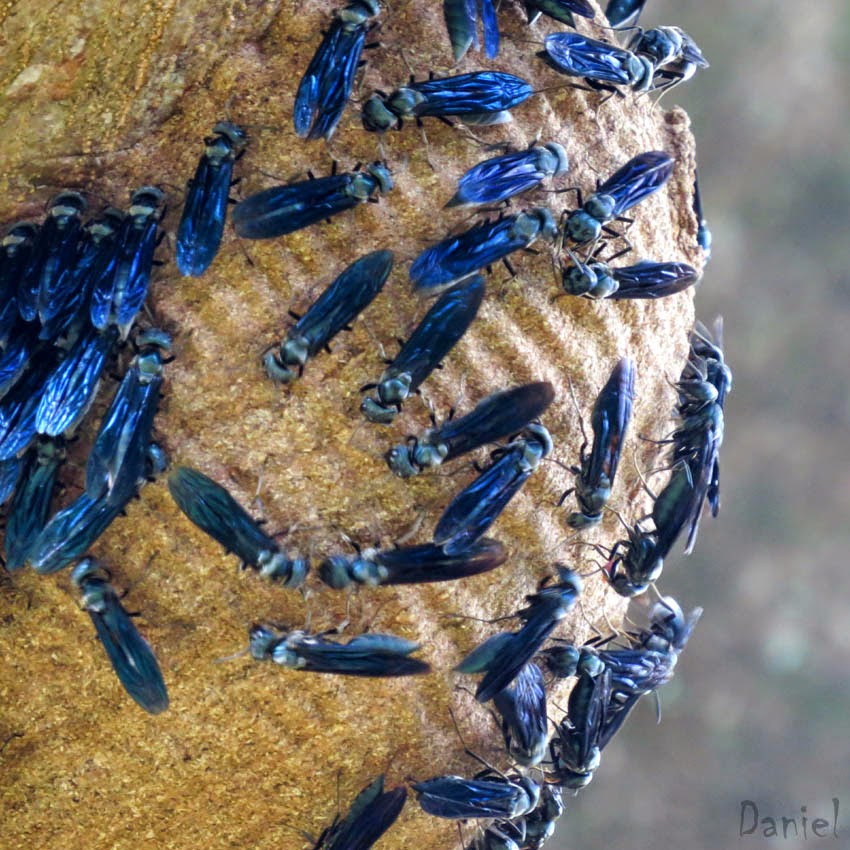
72, 292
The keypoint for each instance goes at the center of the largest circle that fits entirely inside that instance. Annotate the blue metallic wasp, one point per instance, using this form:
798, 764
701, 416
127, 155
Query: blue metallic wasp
19, 406
31, 505
16, 249
378, 655
477, 507
205, 208
15, 358
130, 654
117, 297
372, 813
458, 257
118, 458
624, 13
326, 85
339, 304
462, 24
10, 472
639, 178
411, 565
497, 179
209, 506
540, 823
703, 231
612, 411
72, 386
675, 57
498, 416
285, 209
480, 98
500, 835
488, 795
54, 250
559, 10
435, 336
97, 256
522, 706
646, 279
576, 748
503, 655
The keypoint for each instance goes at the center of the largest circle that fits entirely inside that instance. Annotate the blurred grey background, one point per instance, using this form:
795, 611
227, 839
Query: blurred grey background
759, 707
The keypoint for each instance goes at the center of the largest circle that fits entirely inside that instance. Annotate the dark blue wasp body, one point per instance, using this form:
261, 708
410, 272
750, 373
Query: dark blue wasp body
72, 386
205, 208
603, 66
500, 835
118, 458
522, 706
130, 654
15, 358
462, 24
19, 406
377, 655
646, 279
285, 209
559, 10
435, 336
339, 304
97, 256
612, 411
488, 795
624, 13
459, 257
476, 508
16, 249
481, 98
210, 507
499, 415
31, 505
54, 251
411, 565
117, 297
10, 472
577, 746
504, 655
372, 813
703, 231
326, 85
497, 179
639, 178
540, 823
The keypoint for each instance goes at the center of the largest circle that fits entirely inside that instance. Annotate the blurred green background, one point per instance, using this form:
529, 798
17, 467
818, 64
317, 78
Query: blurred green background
759, 707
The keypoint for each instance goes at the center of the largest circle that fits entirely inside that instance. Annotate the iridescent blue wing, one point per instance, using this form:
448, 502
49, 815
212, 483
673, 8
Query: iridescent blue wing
10, 472
491, 28
499, 178
559, 10
461, 18
326, 85
14, 360
69, 533
637, 179
461, 256
370, 816
29, 509
484, 91
204, 212
476, 508
609, 420
500, 415
456, 797
652, 280
524, 721
579, 56
209, 506
285, 209
72, 386
515, 655
438, 332
130, 654
359, 657
18, 409
343, 300
429, 563
138, 278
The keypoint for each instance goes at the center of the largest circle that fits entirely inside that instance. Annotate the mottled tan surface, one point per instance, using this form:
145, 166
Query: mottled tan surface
106, 98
